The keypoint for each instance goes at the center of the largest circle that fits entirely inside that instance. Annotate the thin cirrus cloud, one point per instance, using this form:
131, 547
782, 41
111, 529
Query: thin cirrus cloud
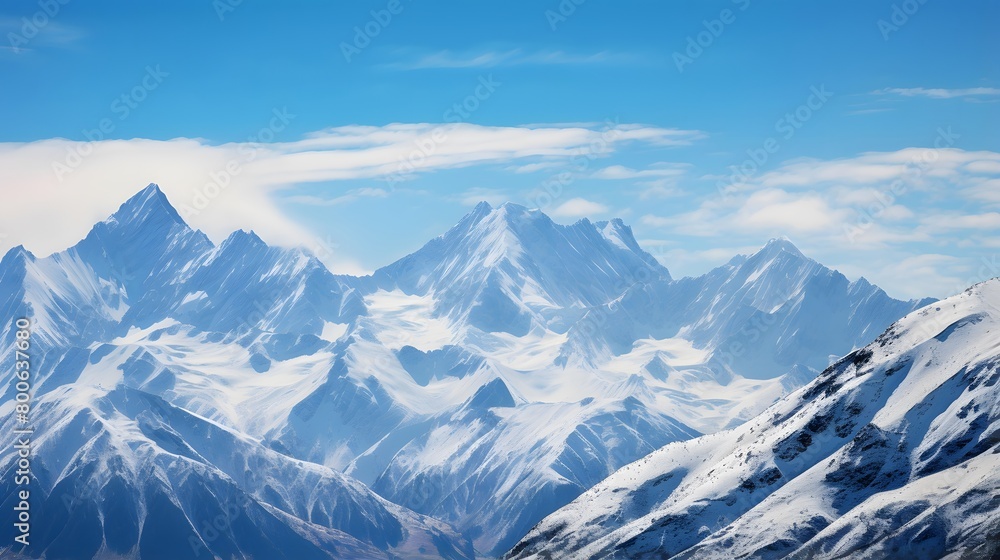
940, 93
408, 59
223, 187
660, 170
660, 180
349, 196
22, 36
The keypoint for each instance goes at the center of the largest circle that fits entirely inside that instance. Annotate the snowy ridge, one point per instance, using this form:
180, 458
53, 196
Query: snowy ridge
757, 315
127, 475
486, 380
510, 268
892, 452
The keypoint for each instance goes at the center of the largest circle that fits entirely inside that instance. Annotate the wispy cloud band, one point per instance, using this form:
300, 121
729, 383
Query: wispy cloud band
407, 59
940, 93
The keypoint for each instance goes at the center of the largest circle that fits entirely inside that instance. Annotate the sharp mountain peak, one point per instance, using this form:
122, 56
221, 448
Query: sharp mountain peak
146, 203
778, 245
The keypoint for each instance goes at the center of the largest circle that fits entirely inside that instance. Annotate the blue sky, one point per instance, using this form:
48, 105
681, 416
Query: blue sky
863, 131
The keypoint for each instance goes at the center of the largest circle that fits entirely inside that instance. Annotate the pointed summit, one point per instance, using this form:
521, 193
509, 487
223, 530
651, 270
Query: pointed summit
142, 242
508, 212
494, 394
510, 216
781, 244
149, 203
513, 208
243, 239
16, 254
512, 265
619, 233
151, 191
481, 210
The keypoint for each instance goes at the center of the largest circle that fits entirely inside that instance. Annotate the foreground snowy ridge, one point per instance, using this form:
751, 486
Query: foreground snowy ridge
892, 452
439, 408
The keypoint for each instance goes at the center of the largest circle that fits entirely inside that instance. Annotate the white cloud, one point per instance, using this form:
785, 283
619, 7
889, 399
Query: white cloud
350, 196
537, 166
663, 169
939, 93
578, 208
23, 36
984, 190
700, 260
876, 212
660, 180
984, 166
871, 190
778, 212
896, 212
918, 168
952, 221
869, 111
936, 273
408, 59
660, 188
194, 175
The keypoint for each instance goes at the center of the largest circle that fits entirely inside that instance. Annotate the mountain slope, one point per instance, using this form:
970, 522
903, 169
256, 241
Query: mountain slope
475, 453
244, 286
142, 246
486, 380
123, 473
116, 376
506, 269
758, 316
894, 451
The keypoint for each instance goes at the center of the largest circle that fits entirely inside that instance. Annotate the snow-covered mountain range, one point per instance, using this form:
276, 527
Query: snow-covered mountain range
440, 407
892, 452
